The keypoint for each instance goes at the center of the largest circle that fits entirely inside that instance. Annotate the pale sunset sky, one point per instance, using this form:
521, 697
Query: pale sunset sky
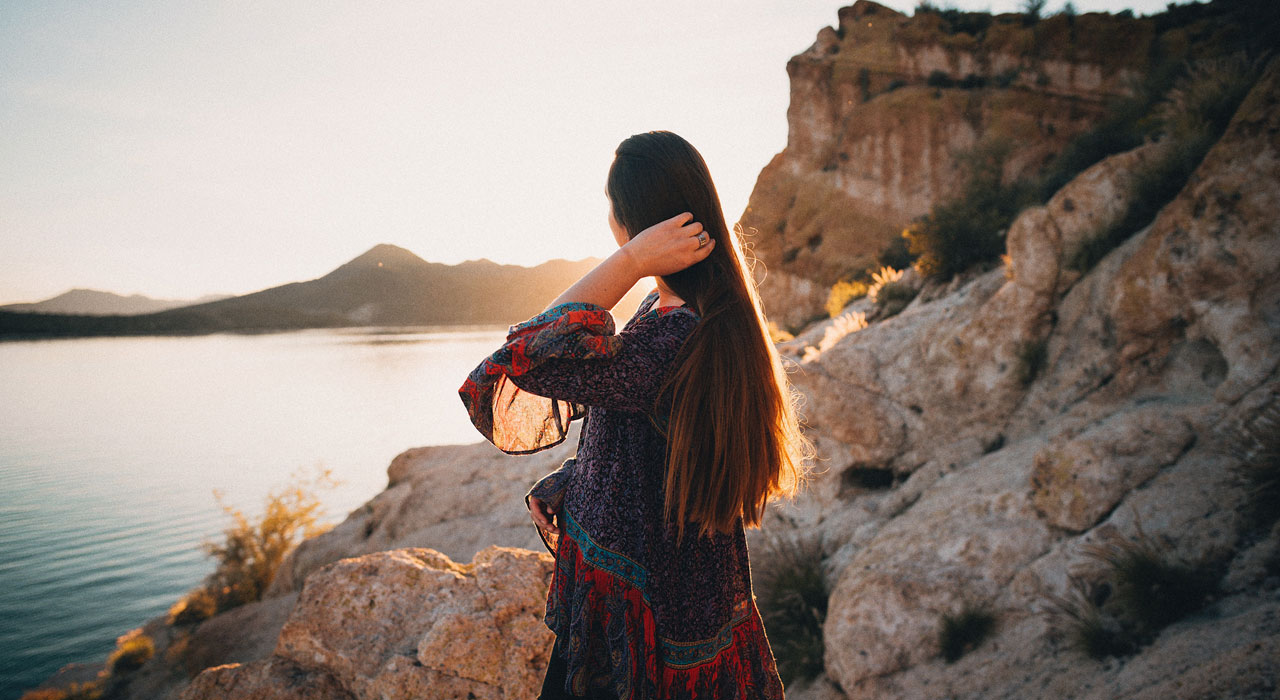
181, 149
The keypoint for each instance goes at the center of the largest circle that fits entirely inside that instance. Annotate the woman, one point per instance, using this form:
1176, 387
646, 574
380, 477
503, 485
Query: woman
689, 430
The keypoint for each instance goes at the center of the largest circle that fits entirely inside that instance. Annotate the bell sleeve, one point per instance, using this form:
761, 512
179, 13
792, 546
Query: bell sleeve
553, 366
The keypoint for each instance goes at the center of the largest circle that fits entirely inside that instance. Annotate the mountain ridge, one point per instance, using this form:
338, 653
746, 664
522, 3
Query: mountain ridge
385, 286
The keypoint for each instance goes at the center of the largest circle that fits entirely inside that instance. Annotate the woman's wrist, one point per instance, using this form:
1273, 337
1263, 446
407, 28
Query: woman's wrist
606, 283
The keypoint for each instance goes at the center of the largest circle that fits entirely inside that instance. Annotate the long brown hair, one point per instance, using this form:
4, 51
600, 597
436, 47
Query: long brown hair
733, 440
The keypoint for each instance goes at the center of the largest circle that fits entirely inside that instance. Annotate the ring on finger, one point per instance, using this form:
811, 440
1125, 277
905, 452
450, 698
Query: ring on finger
702, 238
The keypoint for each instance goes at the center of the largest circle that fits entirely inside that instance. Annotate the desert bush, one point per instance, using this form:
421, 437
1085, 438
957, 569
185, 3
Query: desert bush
1031, 10
963, 631
1254, 444
133, 649
1088, 628
1144, 589
792, 595
1032, 355
842, 293
196, 606
251, 552
938, 79
1193, 115
896, 253
955, 21
1151, 589
970, 227
889, 292
879, 278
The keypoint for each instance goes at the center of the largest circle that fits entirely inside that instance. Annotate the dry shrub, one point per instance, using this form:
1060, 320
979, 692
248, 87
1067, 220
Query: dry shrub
792, 595
252, 551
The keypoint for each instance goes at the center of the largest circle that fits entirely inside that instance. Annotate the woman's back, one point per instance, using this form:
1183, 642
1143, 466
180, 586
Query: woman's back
635, 611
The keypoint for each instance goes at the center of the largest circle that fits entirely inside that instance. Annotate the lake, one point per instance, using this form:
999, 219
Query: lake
111, 449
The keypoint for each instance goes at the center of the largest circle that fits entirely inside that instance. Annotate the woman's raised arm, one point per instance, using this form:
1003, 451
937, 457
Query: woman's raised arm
666, 247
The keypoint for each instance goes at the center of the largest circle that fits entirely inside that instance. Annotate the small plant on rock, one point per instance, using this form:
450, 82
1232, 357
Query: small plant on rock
1151, 589
196, 606
1254, 443
889, 292
962, 632
1089, 628
792, 595
252, 552
1032, 355
133, 649
842, 293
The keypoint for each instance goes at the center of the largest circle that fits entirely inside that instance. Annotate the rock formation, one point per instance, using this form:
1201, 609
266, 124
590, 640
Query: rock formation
456, 499
882, 107
405, 623
1168, 341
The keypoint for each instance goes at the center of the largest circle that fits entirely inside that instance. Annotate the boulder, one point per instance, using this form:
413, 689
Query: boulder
406, 623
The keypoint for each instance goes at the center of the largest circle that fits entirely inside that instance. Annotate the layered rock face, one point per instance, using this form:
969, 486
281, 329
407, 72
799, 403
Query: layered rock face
871, 144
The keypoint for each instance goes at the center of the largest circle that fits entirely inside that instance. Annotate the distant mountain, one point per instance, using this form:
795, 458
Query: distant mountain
98, 303
386, 286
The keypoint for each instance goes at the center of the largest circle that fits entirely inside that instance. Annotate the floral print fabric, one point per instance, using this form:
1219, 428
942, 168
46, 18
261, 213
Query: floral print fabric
637, 614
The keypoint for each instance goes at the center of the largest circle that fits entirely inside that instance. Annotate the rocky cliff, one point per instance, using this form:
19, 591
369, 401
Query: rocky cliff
885, 106
999, 486
974, 449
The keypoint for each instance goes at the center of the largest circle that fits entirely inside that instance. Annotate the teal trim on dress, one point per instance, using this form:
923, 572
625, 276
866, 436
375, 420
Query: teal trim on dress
686, 654
674, 654
616, 563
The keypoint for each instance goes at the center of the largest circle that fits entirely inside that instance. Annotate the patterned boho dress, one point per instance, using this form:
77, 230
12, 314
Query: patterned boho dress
636, 614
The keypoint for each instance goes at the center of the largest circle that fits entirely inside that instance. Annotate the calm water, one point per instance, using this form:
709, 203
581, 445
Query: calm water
110, 451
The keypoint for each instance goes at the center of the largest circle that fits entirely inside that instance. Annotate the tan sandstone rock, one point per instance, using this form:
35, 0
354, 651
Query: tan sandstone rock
1076, 480
456, 499
408, 623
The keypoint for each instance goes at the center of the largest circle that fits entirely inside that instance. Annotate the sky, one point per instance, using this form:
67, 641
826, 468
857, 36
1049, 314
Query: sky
182, 149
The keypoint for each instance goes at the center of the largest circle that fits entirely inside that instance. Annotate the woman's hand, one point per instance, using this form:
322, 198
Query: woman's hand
669, 246
542, 515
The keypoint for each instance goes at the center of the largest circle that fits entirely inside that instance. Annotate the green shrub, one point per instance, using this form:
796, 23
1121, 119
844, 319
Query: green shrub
1088, 628
969, 228
1254, 444
896, 254
792, 597
1143, 591
251, 553
1193, 115
1150, 589
893, 297
955, 21
965, 630
842, 293
1031, 10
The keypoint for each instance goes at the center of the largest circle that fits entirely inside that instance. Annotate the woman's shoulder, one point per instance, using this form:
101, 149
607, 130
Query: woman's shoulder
669, 320
670, 317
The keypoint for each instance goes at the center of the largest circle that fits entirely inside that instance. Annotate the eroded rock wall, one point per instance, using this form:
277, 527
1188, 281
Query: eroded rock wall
871, 145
